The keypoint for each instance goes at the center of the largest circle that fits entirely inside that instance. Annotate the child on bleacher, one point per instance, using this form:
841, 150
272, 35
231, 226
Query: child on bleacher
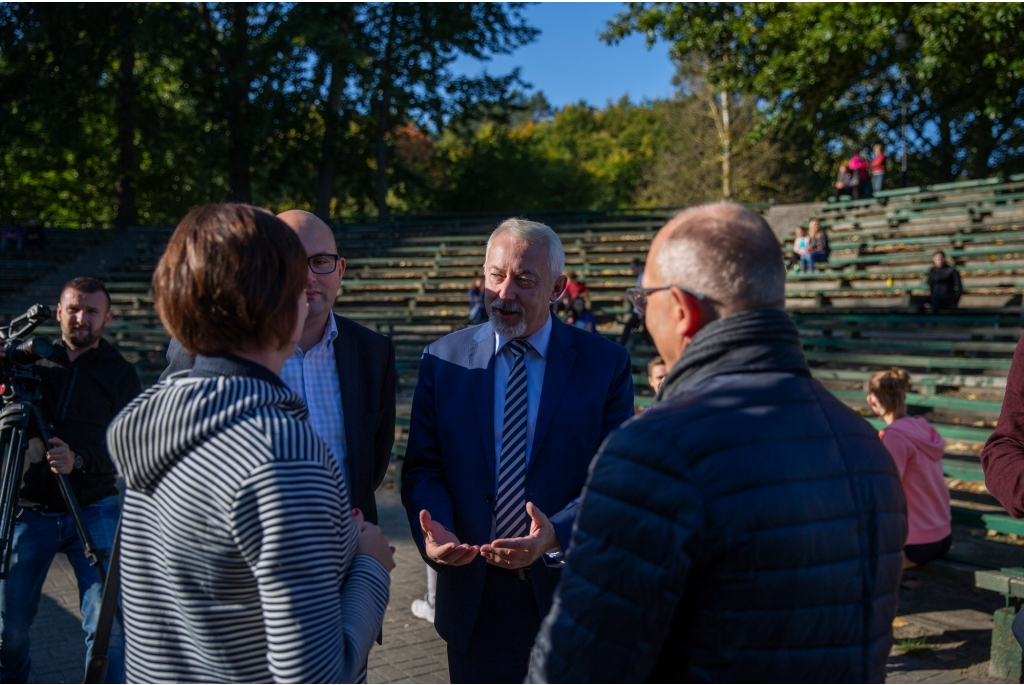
917, 449
801, 245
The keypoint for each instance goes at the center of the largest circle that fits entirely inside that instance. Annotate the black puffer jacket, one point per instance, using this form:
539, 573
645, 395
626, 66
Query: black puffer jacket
747, 528
80, 399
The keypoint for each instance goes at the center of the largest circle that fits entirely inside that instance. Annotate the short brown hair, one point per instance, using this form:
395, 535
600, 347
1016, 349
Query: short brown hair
230, 279
656, 361
890, 388
87, 285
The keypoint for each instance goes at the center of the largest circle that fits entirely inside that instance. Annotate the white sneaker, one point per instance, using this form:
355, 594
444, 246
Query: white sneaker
422, 608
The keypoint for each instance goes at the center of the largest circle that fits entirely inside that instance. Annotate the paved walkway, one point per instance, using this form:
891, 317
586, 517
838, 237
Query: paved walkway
946, 625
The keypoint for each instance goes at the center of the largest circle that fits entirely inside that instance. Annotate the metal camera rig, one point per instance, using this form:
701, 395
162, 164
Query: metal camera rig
21, 421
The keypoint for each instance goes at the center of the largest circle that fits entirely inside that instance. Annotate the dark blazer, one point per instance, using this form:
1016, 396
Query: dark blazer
366, 375
449, 464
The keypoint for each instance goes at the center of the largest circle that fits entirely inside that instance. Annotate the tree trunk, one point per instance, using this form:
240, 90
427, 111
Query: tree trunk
382, 161
945, 151
726, 148
325, 184
127, 212
239, 144
382, 118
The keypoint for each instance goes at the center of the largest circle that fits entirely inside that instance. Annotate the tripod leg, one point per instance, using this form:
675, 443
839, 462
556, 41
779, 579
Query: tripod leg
13, 424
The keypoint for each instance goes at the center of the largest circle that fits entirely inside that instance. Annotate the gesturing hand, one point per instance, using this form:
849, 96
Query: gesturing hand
441, 544
521, 552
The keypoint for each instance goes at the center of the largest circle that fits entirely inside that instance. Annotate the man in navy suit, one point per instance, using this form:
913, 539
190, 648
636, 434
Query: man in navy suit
506, 418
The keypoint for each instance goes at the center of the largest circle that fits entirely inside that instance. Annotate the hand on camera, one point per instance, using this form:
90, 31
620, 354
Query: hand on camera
373, 542
60, 456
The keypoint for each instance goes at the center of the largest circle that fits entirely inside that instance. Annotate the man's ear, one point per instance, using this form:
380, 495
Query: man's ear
60, 312
559, 287
689, 314
108, 318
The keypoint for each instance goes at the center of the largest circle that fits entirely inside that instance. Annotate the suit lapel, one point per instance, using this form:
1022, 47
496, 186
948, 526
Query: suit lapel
557, 371
481, 373
353, 410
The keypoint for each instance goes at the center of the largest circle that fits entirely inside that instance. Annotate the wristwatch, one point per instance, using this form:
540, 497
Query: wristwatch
79, 462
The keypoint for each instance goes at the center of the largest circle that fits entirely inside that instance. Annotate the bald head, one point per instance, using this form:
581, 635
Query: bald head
310, 226
725, 251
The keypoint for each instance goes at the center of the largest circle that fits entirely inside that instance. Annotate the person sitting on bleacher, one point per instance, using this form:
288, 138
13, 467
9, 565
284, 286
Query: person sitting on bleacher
847, 183
917, 449
580, 316
818, 249
944, 285
801, 246
477, 311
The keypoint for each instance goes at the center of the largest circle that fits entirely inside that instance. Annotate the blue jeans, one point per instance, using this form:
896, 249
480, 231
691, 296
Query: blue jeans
877, 182
37, 540
807, 260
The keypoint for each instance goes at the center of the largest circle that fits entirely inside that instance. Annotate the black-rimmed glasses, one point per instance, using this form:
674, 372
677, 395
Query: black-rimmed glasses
323, 263
639, 295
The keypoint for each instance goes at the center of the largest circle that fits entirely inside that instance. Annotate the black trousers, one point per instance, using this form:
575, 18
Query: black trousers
506, 624
937, 303
852, 191
635, 321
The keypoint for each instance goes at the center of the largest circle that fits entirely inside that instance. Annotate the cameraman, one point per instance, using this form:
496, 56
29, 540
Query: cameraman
85, 383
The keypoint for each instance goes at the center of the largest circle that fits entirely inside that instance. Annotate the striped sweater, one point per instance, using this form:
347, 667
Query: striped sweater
238, 540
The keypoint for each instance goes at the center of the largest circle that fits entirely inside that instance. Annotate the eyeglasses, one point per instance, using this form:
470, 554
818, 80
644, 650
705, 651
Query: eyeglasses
323, 263
639, 295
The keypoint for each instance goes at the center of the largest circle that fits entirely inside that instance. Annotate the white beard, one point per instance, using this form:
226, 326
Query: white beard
506, 331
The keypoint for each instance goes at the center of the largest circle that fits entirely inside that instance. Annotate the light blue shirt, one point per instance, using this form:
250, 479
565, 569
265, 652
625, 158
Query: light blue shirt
313, 375
536, 363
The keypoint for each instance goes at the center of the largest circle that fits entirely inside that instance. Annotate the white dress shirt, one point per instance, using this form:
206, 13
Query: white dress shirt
313, 375
536, 363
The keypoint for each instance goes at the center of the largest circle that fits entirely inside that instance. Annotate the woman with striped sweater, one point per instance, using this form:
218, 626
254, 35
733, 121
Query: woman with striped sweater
242, 558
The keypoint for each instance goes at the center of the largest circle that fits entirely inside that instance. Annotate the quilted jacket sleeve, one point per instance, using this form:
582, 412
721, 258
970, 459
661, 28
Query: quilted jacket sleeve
626, 568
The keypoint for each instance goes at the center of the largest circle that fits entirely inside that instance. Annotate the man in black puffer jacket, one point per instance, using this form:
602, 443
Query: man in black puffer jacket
749, 526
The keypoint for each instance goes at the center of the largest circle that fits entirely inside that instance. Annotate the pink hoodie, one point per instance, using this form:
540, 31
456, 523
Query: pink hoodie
917, 450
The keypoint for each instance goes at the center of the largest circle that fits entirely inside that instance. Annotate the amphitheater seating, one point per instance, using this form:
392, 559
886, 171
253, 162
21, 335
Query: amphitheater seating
855, 315
18, 268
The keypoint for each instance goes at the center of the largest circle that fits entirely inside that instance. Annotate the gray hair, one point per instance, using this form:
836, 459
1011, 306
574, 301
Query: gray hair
728, 253
531, 232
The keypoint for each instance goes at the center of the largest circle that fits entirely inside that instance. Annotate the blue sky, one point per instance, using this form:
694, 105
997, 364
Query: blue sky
569, 63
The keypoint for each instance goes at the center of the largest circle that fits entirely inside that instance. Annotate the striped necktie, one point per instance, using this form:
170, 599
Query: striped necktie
511, 519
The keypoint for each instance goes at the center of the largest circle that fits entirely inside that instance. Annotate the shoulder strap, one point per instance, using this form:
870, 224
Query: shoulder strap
96, 669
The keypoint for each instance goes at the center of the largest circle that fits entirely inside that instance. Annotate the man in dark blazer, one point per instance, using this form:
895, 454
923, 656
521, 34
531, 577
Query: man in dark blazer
345, 372
505, 420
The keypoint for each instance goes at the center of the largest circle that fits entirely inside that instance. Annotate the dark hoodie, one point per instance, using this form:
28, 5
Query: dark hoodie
79, 399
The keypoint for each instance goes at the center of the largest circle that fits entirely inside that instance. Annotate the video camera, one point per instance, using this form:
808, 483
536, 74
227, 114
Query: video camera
21, 352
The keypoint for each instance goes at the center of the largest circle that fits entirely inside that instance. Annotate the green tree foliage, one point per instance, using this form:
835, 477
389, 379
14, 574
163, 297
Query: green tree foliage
832, 77
580, 157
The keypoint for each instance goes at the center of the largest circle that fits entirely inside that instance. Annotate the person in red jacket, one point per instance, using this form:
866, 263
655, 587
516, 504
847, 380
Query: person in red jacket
917, 448
878, 168
1003, 455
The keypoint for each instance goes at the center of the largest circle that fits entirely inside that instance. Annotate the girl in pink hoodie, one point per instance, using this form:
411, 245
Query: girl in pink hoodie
917, 450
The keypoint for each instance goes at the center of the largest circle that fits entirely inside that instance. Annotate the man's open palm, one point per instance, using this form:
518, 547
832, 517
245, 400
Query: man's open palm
441, 544
521, 552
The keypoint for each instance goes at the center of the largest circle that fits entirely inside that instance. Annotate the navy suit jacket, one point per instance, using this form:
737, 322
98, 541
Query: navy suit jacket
366, 375
449, 466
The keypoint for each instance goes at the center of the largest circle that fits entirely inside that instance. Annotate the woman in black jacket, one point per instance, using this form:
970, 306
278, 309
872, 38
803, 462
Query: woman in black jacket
242, 558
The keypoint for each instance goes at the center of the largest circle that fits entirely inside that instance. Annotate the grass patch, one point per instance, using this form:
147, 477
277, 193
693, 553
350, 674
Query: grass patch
913, 645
